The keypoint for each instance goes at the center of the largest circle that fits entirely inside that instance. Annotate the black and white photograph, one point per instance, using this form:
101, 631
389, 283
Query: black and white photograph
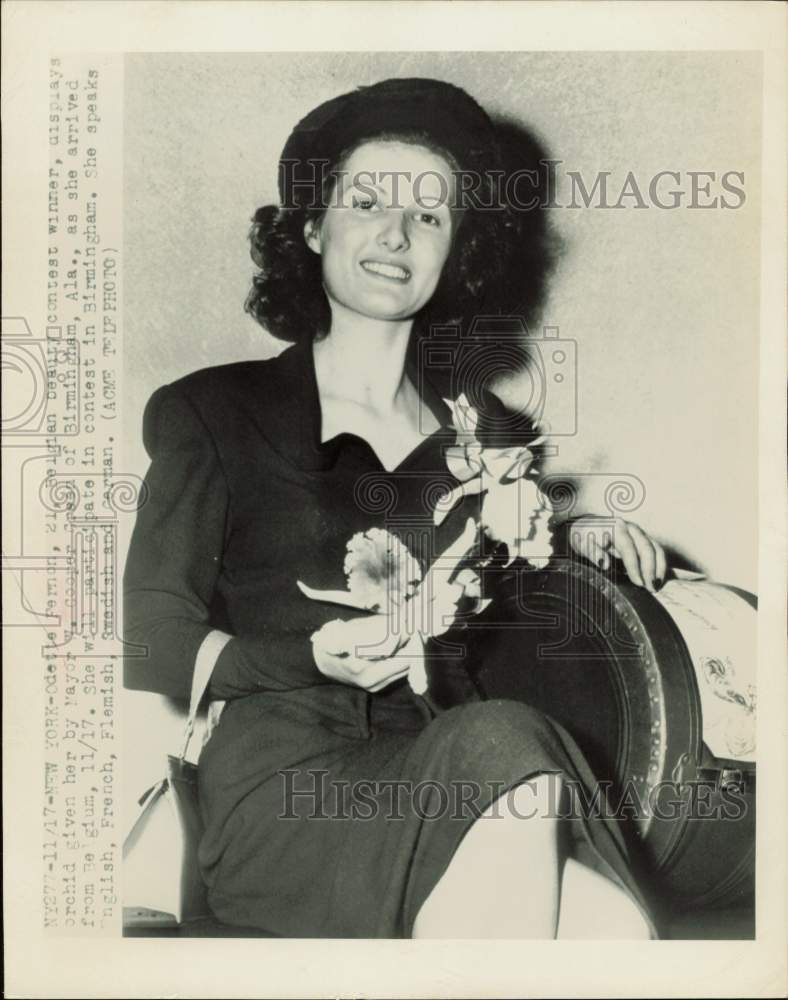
398, 547
372, 561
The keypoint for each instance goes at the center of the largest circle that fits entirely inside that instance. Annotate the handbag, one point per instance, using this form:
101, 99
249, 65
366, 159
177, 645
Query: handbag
162, 884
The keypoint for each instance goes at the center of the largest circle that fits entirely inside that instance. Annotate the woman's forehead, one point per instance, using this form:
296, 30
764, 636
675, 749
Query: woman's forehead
413, 171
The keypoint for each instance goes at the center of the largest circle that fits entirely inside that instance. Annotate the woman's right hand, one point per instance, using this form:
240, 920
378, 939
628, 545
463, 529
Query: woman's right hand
360, 651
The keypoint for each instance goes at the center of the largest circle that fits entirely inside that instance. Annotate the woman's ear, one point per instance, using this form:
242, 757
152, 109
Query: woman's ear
312, 235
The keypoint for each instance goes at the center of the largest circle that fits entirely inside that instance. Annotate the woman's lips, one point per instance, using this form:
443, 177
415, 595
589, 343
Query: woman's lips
391, 272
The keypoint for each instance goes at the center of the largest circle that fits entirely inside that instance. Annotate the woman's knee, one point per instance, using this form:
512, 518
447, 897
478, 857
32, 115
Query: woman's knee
501, 732
538, 797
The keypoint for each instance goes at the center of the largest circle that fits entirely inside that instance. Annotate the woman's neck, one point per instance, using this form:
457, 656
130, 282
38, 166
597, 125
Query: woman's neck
363, 361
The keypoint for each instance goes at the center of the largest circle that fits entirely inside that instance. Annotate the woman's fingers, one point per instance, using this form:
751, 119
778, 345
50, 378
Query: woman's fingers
598, 552
376, 674
626, 550
593, 544
369, 637
662, 562
388, 680
644, 559
647, 556
369, 674
339, 668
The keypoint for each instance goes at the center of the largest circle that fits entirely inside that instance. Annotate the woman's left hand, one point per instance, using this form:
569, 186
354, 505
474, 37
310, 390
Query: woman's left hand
599, 538
364, 651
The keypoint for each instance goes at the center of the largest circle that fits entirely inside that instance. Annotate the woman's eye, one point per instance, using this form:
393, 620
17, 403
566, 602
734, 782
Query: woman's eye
429, 219
365, 202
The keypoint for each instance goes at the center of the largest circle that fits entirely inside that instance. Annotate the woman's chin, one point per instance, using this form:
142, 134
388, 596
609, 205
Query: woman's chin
384, 311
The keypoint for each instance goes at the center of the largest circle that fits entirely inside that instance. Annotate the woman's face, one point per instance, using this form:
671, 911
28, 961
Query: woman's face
387, 232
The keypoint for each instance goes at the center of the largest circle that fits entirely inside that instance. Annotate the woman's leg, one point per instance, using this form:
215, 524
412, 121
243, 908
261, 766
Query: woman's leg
593, 907
503, 880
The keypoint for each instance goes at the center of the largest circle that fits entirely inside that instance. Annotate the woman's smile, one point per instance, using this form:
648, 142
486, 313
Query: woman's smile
389, 272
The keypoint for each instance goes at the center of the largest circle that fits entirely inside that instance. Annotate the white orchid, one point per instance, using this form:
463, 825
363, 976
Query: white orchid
514, 511
385, 578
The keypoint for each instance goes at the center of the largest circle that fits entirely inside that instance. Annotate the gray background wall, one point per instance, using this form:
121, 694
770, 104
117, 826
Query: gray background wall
662, 304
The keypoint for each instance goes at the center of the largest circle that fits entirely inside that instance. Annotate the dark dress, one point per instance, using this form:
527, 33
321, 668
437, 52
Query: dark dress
243, 500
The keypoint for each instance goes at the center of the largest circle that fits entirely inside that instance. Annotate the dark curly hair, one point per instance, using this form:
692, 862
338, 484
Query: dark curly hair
500, 258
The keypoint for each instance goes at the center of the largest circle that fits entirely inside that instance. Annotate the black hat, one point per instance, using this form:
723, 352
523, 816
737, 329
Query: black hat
442, 114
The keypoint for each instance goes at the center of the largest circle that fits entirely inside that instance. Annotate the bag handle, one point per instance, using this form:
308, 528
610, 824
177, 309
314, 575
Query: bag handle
207, 655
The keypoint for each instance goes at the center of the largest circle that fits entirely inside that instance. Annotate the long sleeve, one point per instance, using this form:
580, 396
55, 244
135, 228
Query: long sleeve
174, 562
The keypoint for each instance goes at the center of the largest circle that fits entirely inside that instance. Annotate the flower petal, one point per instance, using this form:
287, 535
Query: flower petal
518, 515
465, 417
417, 672
464, 461
469, 581
380, 569
342, 597
449, 500
507, 463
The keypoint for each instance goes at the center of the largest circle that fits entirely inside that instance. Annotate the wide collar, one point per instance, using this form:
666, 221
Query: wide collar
294, 419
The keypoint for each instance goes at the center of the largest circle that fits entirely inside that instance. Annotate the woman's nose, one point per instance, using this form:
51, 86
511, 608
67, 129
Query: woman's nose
393, 232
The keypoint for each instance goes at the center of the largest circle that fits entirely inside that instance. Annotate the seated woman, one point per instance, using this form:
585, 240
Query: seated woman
262, 472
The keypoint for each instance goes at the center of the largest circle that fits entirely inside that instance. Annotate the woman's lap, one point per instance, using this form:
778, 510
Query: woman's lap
352, 838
